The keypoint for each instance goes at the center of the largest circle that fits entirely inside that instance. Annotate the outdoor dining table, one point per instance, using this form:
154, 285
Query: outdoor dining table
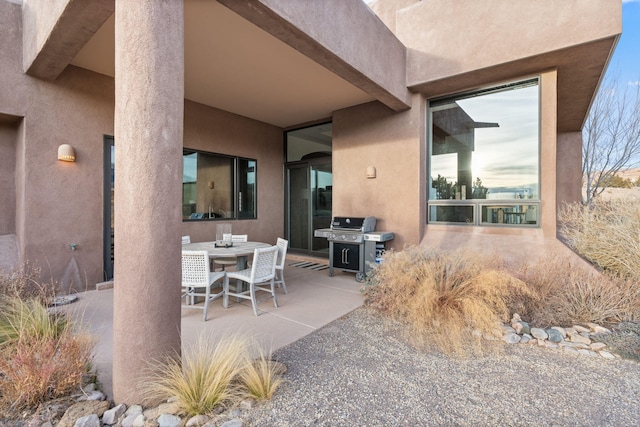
239, 250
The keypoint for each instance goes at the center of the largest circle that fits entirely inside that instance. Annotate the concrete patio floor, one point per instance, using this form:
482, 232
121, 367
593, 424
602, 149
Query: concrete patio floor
313, 300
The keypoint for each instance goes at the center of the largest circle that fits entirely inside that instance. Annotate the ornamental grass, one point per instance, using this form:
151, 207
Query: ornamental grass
449, 299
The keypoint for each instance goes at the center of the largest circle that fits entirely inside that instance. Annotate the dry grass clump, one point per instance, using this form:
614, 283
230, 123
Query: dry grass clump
261, 378
213, 373
445, 296
42, 355
607, 234
569, 295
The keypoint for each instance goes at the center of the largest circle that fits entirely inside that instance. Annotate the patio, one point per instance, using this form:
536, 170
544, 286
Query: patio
313, 300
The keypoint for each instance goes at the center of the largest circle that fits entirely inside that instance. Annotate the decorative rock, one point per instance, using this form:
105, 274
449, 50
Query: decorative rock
88, 421
507, 330
89, 388
80, 409
511, 338
597, 329
571, 350
111, 416
524, 339
542, 343
94, 395
516, 318
197, 421
550, 344
135, 419
607, 355
570, 331
576, 345
133, 409
171, 408
581, 328
554, 335
562, 331
167, 420
597, 346
232, 423
521, 328
539, 333
580, 339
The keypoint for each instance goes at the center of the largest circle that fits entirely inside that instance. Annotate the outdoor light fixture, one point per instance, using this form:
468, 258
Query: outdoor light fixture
371, 172
66, 153
211, 185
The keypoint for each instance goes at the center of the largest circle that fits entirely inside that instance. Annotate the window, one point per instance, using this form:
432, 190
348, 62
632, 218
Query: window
484, 157
216, 186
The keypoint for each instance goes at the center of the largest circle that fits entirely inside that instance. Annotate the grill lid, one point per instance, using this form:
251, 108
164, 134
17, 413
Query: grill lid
364, 225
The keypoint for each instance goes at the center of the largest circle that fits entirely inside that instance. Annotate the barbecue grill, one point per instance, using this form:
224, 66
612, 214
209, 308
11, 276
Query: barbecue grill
353, 244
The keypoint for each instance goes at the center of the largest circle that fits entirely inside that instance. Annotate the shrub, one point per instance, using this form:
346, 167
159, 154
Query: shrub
261, 378
445, 296
607, 234
569, 295
42, 357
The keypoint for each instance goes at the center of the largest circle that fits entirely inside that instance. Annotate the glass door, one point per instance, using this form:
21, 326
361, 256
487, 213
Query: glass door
309, 187
107, 231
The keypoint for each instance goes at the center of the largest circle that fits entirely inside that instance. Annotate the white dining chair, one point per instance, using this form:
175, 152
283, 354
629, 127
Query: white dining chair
282, 245
222, 262
258, 277
197, 280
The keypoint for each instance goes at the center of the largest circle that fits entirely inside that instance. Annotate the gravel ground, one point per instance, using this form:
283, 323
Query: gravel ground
358, 371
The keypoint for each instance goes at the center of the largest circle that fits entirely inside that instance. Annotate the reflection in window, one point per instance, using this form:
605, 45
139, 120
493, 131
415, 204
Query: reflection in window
208, 186
485, 146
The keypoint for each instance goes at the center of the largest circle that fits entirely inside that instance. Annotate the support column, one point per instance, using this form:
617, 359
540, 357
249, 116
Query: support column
149, 113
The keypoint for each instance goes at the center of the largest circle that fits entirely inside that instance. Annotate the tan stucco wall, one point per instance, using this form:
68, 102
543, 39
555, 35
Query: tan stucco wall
372, 135
569, 170
60, 203
7, 178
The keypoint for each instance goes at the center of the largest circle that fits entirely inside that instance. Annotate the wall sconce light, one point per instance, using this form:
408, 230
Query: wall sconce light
210, 184
66, 153
371, 172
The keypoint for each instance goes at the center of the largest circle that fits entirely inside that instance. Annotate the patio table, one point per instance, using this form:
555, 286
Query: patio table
240, 250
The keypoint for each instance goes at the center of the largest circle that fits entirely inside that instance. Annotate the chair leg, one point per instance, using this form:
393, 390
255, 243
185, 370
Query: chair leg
273, 293
280, 274
252, 291
206, 303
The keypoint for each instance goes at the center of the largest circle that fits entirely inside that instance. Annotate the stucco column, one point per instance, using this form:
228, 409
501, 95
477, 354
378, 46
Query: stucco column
149, 113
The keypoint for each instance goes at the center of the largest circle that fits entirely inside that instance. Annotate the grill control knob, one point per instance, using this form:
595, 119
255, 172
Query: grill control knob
354, 237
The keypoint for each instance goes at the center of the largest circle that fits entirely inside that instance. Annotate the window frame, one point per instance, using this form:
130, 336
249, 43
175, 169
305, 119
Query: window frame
479, 204
235, 187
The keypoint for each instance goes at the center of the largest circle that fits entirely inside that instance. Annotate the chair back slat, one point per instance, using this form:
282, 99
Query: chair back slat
264, 264
186, 240
195, 268
282, 245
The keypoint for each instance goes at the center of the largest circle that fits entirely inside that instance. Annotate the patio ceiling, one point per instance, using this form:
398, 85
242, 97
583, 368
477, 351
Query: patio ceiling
233, 65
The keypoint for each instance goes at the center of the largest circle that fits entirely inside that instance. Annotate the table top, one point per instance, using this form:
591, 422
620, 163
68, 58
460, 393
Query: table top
238, 249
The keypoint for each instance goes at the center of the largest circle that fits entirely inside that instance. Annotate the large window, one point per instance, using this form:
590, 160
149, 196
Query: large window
216, 186
484, 157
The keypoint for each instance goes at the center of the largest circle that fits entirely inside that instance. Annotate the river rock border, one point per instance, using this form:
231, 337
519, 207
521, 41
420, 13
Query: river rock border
577, 339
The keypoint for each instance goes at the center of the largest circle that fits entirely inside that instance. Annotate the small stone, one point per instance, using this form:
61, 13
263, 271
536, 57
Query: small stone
232, 423
88, 421
80, 409
554, 335
570, 350
539, 333
197, 421
606, 355
578, 338
521, 328
167, 420
570, 331
597, 329
135, 419
89, 388
562, 331
511, 338
111, 416
171, 408
579, 328
133, 409
598, 346
550, 344
516, 318
507, 330
541, 343
524, 339
246, 404
235, 412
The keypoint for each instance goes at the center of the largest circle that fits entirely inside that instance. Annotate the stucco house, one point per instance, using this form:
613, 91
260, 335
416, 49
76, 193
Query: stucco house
267, 114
